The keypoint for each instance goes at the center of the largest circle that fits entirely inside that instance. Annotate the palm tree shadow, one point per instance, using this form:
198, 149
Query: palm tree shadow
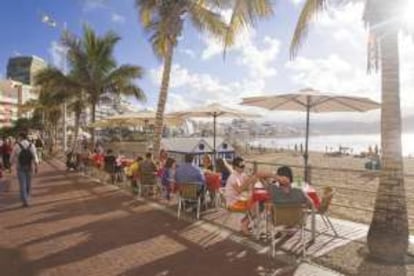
369, 266
12, 262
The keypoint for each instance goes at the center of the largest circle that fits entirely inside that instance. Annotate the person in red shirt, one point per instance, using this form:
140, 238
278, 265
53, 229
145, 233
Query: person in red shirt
6, 150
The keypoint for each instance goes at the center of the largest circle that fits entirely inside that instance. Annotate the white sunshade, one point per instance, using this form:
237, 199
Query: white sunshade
213, 110
310, 100
317, 102
136, 119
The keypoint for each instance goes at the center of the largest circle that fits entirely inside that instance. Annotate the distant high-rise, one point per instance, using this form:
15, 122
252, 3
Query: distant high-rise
24, 68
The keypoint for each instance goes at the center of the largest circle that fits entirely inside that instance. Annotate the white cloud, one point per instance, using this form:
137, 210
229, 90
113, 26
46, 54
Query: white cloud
258, 59
188, 52
344, 23
89, 5
117, 18
297, 2
333, 74
189, 89
407, 74
57, 52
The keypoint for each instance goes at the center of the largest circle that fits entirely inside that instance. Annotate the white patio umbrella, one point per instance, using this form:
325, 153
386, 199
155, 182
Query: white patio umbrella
310, 100
213, 110
141, 118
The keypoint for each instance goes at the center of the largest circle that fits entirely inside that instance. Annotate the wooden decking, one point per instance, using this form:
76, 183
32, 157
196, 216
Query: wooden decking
325, 240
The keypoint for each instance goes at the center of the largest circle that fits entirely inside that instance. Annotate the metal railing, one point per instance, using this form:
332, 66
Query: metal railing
355, 189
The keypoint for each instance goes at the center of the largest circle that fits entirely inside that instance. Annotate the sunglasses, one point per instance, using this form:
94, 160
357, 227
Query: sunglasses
241, 166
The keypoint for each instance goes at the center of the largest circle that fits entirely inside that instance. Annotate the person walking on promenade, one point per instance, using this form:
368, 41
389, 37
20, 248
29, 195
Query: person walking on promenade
25, 157
6, 150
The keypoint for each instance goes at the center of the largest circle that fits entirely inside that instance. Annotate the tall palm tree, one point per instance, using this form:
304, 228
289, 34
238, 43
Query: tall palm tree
48, 104
95, 70
55, 86
164, 21
388, 232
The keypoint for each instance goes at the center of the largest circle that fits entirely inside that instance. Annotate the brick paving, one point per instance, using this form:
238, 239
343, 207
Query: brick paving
75, 226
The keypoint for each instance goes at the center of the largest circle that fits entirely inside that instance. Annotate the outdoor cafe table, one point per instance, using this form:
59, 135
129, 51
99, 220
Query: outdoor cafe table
262, 195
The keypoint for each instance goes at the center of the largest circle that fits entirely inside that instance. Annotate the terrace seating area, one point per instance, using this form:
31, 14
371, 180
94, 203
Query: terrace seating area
318, 235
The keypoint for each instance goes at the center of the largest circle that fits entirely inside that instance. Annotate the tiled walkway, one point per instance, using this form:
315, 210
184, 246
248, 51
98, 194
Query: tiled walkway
77, 227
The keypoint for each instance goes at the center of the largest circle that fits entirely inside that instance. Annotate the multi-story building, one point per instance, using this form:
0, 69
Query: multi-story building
13, 94
24, 68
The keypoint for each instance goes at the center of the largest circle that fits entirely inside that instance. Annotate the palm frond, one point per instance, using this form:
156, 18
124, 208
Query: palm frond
205, 19
124, 72
147, 10
134, 90
309, 10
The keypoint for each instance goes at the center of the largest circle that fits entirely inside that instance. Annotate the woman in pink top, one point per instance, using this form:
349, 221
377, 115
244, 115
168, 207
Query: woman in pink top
237, 183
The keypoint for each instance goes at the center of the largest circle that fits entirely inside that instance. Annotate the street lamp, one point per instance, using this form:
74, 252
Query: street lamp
49, 21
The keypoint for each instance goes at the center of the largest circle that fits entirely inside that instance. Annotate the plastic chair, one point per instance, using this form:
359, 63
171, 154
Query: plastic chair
189, 193
322, 211
284, 218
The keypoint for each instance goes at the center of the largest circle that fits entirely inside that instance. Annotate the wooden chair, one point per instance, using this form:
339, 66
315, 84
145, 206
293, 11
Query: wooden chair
189, 193
322, 211
285, 218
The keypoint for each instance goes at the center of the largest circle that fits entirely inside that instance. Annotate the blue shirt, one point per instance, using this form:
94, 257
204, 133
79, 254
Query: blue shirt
187, 172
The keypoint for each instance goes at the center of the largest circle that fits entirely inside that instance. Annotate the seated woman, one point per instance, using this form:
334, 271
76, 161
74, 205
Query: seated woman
224, 169
207, 163
284, 193
237, 183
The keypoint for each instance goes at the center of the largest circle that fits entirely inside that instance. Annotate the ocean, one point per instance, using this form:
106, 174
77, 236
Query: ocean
356, 143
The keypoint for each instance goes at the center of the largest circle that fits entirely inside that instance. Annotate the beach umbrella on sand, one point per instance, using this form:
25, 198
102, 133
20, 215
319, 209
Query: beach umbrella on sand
213, 110
310, 100
142, 118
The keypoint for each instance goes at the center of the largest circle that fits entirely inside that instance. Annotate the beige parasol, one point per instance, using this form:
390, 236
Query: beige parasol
310, 100
213, 110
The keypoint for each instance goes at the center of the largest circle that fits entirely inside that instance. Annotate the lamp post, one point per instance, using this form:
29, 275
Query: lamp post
49, 21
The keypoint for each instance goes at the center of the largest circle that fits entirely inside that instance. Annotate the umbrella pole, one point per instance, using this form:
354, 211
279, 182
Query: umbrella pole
305, 155
214, 140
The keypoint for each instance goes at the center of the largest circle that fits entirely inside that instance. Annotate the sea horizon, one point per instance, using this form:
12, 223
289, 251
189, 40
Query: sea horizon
356, 143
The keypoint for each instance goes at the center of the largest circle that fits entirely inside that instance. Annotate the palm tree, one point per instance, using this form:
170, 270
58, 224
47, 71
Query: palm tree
95, 70
164, 20
55, 86
388, 232
48, 104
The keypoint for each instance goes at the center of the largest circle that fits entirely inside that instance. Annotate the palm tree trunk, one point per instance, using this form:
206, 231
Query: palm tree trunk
388, 232
77, 125
93, 117
162, 99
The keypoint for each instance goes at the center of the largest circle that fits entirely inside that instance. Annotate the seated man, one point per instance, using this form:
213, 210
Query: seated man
188, 172
148, 170
109, 164
284, 193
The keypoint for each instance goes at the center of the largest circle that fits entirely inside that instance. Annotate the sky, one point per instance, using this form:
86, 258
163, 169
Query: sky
333, 58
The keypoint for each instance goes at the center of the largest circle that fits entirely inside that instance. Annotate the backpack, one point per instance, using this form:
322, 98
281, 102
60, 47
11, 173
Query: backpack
25, 157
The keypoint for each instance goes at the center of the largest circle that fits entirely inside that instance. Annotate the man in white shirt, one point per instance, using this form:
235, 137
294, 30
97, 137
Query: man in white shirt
25, 157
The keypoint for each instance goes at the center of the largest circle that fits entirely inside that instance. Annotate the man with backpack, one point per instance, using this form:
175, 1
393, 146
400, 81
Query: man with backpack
25, 157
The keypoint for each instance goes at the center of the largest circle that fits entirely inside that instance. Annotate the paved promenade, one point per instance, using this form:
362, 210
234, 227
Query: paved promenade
77, 227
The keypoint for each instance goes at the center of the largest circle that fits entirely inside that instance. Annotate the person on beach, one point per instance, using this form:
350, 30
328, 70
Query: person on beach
25, 158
